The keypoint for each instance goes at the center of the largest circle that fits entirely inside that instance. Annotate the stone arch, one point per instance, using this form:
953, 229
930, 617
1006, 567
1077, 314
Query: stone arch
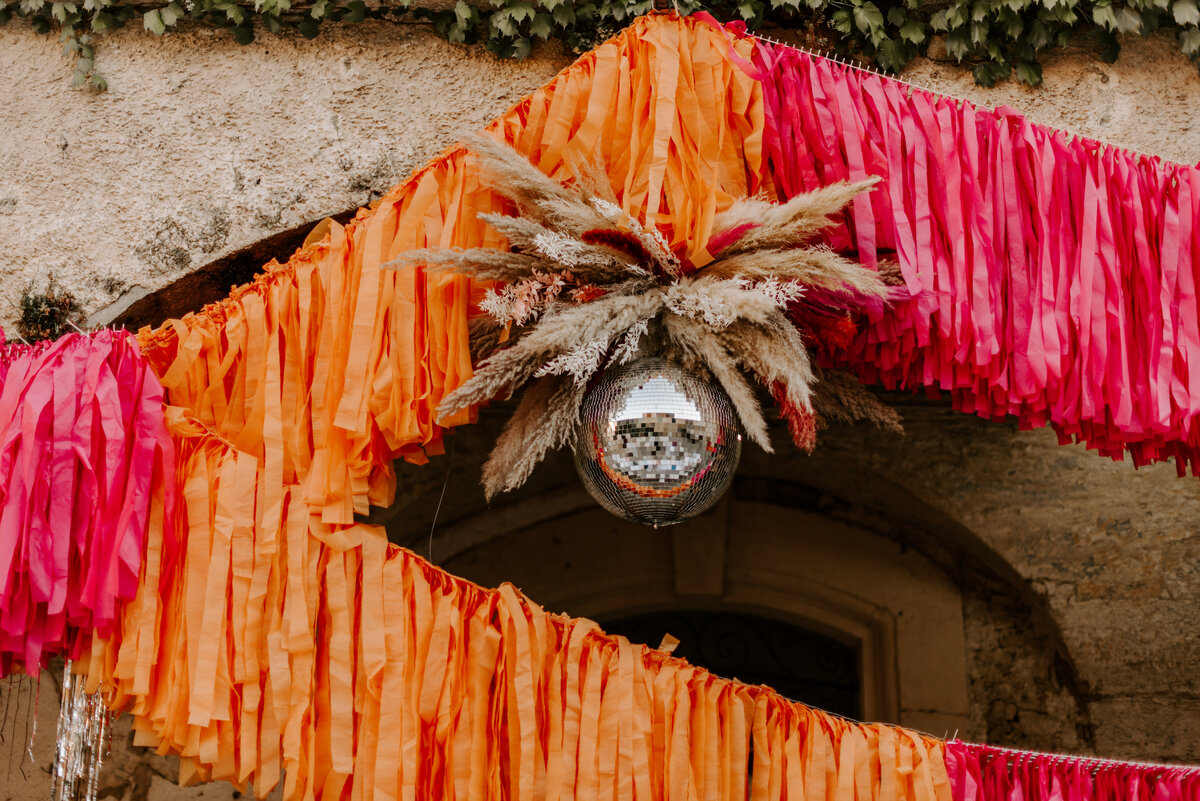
776, 546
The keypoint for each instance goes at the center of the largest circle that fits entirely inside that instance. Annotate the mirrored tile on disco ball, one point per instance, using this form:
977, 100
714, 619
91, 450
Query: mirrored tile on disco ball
656, 445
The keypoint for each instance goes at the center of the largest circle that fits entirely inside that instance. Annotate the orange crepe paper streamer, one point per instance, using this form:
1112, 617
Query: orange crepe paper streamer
367, 673
285, 642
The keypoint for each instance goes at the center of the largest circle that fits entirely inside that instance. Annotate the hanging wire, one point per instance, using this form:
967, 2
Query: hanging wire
445, 483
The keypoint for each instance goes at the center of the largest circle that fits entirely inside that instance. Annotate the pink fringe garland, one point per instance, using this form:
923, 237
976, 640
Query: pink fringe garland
84, 456
984, 773
1051, 279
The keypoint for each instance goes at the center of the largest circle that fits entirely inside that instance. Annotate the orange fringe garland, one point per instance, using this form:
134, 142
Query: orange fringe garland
289, 640
366, 673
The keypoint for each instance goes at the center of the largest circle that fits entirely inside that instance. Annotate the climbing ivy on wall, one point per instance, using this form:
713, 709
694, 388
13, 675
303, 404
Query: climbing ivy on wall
995, 38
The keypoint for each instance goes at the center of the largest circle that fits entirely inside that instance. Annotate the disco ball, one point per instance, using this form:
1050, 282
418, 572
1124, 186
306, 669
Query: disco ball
656, 445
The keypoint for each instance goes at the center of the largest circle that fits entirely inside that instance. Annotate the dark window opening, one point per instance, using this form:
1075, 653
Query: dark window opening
799, 663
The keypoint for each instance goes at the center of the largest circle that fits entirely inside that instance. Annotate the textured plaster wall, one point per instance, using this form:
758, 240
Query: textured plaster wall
202, 148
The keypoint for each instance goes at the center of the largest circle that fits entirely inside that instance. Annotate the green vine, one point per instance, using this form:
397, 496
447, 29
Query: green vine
994, 37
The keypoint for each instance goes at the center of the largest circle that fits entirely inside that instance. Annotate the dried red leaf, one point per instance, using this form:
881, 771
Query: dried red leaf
587, 293
801, 422
622, 241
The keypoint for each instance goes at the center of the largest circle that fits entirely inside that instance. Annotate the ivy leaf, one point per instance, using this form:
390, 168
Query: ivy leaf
1011, 23
542, 26
842, 22
1189, 42
1186, 12
521, 11
153, 22
956, 16
272, 22
520, 48
896, 16
939, 23
564, 15
243, 34
1128, 21
5, 15
504, 23
1029, 72
235, 14
99, 84
103, 21
171, 14
1038, 35
1103, 15
987, 73
319, 9
913, 31
356, 11
958, 43
462, 12
868, 18
892, 55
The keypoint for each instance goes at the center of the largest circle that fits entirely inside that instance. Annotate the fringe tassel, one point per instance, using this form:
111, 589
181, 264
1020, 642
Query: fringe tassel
83, 726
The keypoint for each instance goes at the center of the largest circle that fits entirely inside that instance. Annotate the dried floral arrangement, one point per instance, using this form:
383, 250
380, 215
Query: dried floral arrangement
584, 286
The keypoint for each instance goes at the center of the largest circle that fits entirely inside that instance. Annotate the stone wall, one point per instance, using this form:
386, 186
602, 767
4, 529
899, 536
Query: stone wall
1080, 577
201, 147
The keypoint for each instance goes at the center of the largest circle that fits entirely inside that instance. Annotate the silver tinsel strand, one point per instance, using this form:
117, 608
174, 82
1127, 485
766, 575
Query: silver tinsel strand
83, 720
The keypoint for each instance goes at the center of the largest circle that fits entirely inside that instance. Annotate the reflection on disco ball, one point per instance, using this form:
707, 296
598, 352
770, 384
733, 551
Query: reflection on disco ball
655, 444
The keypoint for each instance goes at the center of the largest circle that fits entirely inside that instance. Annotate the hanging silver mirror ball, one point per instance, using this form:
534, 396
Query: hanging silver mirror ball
655, 444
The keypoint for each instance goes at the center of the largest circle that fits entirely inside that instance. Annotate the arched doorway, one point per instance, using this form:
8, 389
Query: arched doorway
896, 615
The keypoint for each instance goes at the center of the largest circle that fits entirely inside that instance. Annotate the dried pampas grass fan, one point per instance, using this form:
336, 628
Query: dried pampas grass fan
584, 286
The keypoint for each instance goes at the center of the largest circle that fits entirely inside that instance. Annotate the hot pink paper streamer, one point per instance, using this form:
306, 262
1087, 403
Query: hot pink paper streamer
1050, 279
82, 449
986, 773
